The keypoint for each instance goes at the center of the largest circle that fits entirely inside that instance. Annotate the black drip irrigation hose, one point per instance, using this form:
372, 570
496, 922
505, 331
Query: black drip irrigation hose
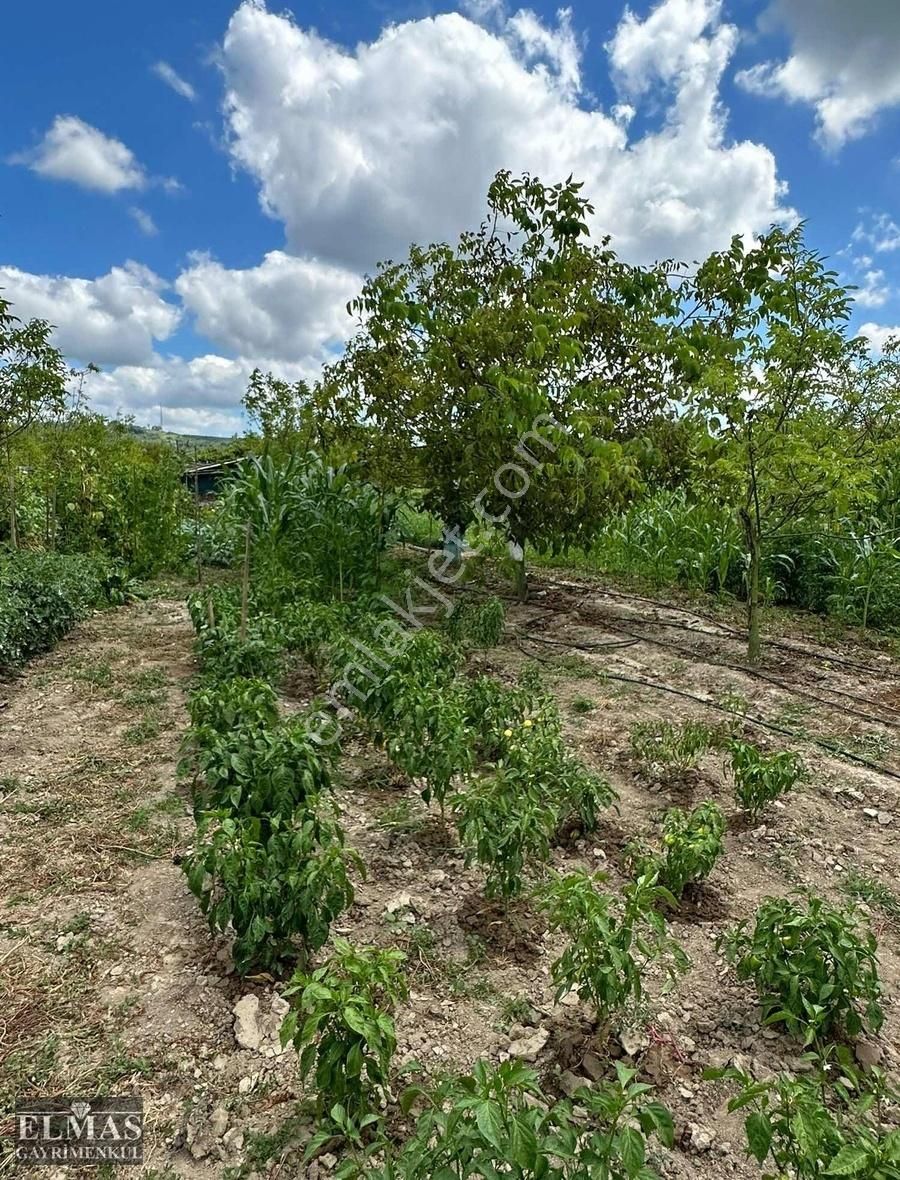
831, 747
736, 632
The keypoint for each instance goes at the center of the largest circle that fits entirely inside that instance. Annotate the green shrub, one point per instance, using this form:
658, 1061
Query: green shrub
761, 779
581, 793
612, 940
477, 624
497, 1122
814, 972
430, 739
692, 843
341, 1026
278, 886
42, 596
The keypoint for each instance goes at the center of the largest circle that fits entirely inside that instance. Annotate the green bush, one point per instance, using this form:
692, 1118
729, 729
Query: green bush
341, 1026
42, 596
814, 972
222, 706
278, 886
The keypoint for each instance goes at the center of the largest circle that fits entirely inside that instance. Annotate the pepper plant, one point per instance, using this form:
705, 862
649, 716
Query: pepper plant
759, 779
692, 843
278, 886
612, 940
826, 1123
814, 970
496, 1121
341, 1025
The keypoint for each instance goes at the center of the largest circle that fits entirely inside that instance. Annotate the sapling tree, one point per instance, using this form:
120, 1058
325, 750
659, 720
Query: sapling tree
511, 364
766, 360
33, 377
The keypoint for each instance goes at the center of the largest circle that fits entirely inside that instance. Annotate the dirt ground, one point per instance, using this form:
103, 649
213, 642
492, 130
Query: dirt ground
111, 982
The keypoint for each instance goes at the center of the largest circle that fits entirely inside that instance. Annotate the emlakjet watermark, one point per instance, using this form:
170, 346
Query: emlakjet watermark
80, 1131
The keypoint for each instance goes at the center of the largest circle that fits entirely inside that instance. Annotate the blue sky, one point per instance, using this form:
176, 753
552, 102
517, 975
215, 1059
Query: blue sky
194, 188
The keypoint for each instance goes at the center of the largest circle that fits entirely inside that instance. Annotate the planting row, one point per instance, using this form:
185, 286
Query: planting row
43, 595
271, 865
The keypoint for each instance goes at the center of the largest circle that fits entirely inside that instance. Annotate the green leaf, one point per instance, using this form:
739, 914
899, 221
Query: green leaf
850, 1160
759, 1135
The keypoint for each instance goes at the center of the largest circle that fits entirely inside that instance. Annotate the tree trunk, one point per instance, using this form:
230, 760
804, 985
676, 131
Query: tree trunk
751, 533
518, 555
11, 475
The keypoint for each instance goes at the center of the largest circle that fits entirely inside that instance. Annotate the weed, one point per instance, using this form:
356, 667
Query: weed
515, 1010
583, 705
146, 730
861, 887
400, 818
674, 747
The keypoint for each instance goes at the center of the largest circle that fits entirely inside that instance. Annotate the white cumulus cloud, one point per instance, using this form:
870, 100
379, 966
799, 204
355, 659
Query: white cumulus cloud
844, 62
75, 151
879, 334
287, 307
111, 320
362, 151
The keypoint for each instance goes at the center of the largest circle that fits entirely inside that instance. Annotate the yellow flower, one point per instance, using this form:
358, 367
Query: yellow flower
507, 733
528, 724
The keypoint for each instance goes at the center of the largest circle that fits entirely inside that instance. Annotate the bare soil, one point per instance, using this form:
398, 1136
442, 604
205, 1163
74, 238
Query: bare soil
111, 982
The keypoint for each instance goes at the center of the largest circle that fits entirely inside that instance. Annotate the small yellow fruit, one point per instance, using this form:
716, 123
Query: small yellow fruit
507, 733
528, 724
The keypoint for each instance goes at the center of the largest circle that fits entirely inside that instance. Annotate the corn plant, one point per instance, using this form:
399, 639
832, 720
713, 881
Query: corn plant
825, 1124
692, 843
477, 625
497, 1122
814, 971
675, 747
612, 940
277, 887
341, 1025
760, 779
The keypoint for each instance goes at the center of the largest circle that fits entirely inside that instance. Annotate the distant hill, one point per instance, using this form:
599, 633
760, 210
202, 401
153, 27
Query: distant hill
195, 442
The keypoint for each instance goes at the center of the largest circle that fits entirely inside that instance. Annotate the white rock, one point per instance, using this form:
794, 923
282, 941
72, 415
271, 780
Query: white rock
527, 1048
218, 1122
246, 1022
